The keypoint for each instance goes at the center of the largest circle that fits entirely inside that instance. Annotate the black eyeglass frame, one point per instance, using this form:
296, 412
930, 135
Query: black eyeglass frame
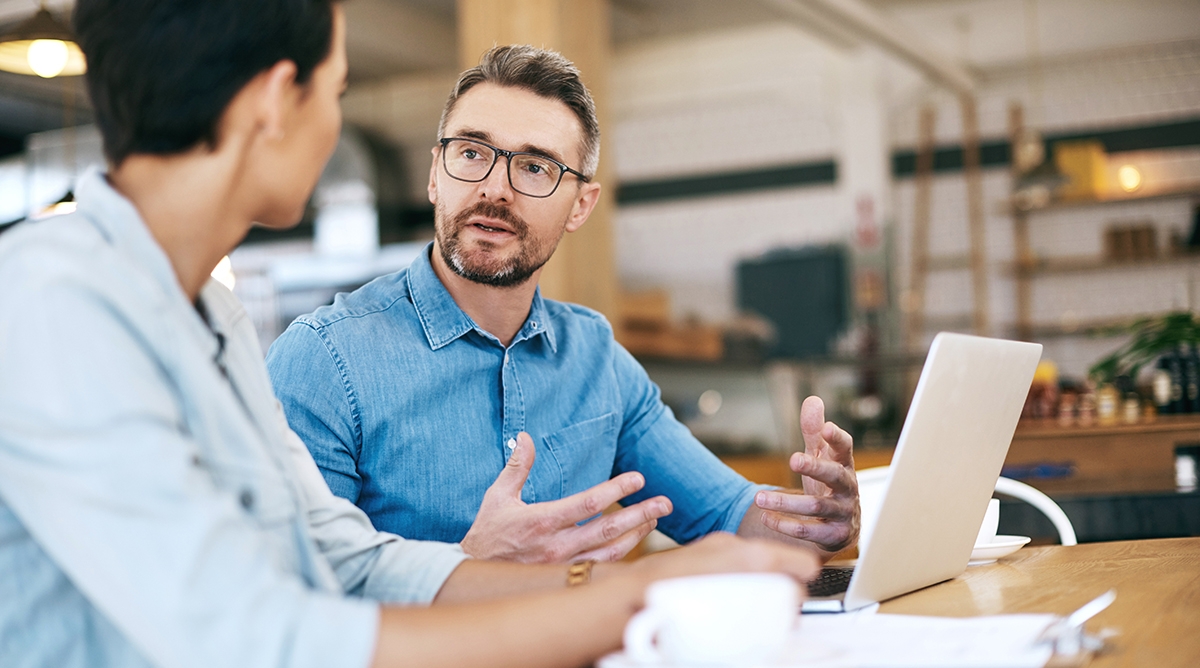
498, 153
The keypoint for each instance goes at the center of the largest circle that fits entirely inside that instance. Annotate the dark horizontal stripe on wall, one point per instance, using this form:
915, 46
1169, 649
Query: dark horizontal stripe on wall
995, 154
904, 163
785, 176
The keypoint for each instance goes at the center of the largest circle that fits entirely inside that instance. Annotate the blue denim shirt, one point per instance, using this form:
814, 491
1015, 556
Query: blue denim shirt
409, 408
154, 507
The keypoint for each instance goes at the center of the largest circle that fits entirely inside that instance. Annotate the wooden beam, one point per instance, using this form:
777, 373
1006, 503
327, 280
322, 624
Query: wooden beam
919, 274
978, 233
860, 18
1025, 260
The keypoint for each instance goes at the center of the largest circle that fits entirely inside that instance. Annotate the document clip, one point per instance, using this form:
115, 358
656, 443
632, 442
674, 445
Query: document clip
1072, 645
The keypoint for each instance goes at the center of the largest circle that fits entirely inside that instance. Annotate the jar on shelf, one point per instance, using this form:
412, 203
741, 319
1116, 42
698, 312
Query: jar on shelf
1066, 409
1131, 408
1087, 409
1106, 404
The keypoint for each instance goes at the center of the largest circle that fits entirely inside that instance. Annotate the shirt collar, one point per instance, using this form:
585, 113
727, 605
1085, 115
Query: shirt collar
443, 321
538, 323
118, 220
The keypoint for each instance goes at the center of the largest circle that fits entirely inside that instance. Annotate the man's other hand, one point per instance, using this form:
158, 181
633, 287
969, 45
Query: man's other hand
826, 512
509, 529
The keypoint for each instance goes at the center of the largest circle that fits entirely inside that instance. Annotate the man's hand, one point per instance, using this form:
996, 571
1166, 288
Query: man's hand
826, 512
509, 529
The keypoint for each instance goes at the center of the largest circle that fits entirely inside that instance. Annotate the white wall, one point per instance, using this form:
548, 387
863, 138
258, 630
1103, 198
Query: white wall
727, 101
13, 197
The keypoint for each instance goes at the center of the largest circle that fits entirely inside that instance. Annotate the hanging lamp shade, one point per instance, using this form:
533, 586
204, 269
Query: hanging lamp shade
41, 46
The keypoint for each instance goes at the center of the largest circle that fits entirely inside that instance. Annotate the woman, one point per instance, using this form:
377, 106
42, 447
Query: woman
155, 509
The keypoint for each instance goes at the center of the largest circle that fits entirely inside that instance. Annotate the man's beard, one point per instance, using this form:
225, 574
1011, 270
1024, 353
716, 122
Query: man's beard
483, 266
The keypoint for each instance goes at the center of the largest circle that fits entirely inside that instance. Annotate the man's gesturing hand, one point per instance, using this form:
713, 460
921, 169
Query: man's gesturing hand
509, 529
826, 512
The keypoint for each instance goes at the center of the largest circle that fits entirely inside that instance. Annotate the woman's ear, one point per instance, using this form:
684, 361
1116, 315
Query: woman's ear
277, 94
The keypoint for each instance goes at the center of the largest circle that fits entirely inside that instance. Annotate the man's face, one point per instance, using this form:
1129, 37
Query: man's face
486, 232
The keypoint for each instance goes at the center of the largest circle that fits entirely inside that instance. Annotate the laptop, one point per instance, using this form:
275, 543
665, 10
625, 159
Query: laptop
959, 426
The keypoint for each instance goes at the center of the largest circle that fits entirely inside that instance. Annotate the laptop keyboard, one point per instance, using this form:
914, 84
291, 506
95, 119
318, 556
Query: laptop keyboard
830, 582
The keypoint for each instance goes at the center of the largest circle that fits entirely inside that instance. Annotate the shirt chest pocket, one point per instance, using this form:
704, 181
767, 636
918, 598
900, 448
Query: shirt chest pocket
576, 458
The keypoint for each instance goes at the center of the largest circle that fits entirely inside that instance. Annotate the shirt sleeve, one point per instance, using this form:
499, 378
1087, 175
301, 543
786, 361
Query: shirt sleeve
707, 495
319, 403
97, 465
369, 563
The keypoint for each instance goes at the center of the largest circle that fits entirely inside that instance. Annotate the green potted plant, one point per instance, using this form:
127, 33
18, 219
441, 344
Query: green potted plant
1151, 338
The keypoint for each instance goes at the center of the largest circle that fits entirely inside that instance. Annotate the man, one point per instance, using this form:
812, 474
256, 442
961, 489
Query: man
418, 393
154, 507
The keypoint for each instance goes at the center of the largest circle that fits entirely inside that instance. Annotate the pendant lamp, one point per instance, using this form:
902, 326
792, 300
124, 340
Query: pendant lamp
41, 46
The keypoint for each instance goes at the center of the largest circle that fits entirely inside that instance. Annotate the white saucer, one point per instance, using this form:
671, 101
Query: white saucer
1001, 546
622, 660
800, 651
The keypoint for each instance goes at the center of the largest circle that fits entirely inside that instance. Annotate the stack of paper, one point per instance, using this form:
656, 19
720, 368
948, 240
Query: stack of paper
896, 641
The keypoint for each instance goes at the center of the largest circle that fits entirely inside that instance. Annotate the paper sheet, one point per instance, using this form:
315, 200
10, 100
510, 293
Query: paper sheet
903, 641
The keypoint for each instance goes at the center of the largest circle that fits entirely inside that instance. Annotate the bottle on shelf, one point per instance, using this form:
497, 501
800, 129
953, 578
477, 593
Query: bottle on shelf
1191, 377
1161, 387
1107, 399
1174, 367
1066, 409
1131, 408
1087, 409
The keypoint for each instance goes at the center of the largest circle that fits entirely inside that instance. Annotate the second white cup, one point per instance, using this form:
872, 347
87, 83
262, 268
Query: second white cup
991, 524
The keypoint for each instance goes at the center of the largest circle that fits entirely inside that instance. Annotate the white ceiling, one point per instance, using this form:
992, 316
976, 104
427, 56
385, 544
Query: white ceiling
395, 37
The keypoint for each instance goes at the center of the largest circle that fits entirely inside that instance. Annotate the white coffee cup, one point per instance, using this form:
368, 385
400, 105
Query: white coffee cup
991, 523
715, 620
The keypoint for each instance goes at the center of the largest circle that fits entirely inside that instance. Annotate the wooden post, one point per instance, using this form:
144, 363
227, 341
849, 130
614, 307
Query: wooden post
583, 269
975, 215
919, 274
1024, 253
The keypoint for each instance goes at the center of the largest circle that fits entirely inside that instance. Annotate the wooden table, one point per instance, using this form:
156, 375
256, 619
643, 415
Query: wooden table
1157, 609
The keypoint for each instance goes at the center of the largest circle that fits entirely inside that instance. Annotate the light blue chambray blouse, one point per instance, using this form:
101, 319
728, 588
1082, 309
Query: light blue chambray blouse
152, 510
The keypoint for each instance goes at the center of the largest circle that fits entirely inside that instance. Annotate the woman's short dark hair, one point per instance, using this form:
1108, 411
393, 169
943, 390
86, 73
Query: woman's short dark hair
161, 72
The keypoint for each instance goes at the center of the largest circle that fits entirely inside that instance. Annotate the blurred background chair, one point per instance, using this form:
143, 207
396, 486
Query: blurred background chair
873, 481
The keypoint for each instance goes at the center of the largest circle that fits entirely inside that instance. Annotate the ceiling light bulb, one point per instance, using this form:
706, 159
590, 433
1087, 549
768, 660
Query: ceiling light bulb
1129, 178
47, 57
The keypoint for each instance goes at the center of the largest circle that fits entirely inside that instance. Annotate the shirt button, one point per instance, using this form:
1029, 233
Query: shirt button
511, 443
246, 498
533, 324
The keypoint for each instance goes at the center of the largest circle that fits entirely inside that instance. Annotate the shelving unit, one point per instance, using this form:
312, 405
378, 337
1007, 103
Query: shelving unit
1190, 190
1028, 266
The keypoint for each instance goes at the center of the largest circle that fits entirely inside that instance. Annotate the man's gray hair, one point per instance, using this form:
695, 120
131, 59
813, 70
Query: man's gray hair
542, 72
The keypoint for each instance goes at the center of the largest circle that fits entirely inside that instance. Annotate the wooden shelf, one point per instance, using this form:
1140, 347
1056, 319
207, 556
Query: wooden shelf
882, 361
1118, 458
1071, 265
1049, 428
1086, 327
1189, 190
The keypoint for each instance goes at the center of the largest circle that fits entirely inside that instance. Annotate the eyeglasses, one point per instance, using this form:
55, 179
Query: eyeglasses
530, 174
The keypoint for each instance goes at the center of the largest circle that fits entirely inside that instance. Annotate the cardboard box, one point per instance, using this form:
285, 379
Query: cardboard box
1085, 164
